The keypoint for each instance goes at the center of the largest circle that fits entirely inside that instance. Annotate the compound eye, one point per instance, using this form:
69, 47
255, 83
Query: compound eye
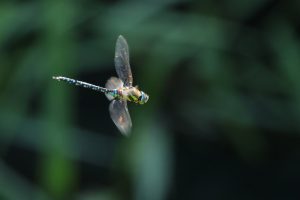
140, 98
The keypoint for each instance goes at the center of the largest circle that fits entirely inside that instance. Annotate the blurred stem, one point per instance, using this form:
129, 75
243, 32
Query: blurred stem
57, 173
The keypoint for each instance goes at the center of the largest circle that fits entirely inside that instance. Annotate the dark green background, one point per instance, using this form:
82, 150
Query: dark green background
223, 117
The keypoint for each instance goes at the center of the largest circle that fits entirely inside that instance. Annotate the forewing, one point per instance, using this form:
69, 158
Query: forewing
120, 115
122, 61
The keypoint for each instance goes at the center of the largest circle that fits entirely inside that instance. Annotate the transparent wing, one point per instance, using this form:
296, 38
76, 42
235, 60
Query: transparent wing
113, 83
122, 61
120, 115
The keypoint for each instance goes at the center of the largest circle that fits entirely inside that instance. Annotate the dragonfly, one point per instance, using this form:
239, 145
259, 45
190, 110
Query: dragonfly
118, 90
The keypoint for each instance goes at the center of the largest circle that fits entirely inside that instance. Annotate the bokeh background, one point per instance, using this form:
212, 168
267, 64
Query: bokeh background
223, 117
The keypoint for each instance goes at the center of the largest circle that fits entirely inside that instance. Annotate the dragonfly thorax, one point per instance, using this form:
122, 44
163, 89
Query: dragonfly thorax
131, 94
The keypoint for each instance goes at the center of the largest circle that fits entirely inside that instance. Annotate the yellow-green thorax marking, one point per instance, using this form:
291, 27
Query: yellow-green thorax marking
131, 94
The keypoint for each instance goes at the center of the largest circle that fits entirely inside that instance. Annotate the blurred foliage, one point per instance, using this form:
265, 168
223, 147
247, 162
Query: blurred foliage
222, 121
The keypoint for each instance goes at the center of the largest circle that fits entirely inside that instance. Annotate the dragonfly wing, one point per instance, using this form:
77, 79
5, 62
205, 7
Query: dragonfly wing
113, 83
122, 61
120, 115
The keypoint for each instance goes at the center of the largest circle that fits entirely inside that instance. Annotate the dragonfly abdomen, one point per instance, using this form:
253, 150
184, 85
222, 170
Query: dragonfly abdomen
82, 84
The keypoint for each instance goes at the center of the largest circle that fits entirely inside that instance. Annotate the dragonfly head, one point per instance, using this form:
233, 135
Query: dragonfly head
143, 98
